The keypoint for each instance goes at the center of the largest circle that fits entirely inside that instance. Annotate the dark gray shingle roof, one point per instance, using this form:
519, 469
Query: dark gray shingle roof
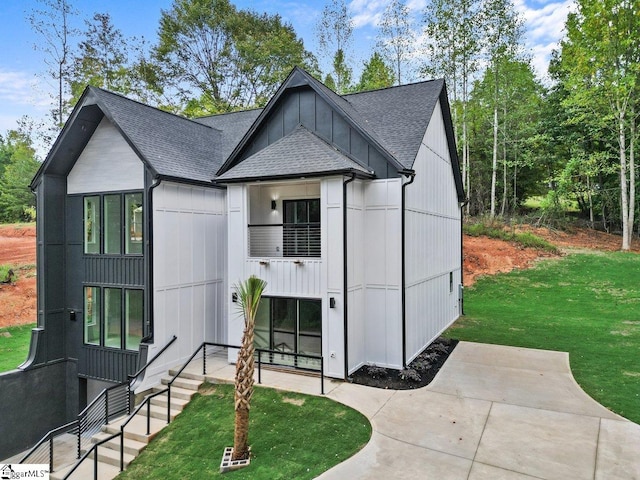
173, 146
233, 127
398, 116
299, 153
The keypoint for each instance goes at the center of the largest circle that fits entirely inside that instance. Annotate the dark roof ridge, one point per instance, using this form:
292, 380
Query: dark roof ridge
227, 113
124, 97
391, 87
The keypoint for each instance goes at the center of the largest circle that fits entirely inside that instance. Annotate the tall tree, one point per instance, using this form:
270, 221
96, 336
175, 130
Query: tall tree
53, 23
503, 33
375, 74
334, 30
600, 60
249, 295
102, 58
219, 59
396, 37
18, 165
453, 30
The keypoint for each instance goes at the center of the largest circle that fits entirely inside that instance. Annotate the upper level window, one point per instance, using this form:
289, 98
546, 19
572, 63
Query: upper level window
301, 230
113, 224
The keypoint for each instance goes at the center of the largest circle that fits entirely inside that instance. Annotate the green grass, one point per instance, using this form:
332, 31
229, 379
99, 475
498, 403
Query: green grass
497, 230
585, 304
14, 346
291, 436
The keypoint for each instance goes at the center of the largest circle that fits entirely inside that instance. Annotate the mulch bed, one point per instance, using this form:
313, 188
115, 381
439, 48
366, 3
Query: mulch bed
419, 373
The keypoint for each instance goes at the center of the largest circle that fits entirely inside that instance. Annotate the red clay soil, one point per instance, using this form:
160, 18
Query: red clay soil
18, 299
482, 256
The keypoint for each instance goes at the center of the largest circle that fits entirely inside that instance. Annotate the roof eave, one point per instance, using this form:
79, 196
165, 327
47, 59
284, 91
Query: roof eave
297, 176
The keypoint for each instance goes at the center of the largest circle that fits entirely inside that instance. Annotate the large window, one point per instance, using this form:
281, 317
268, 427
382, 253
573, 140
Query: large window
113, 317
113, 224
289, 325
301, 232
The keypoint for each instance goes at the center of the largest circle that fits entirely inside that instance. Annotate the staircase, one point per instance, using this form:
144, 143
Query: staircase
136, 439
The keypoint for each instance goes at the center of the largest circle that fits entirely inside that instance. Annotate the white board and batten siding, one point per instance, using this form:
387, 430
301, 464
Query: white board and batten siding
432, 241
317, 278
107, 164
189, 271
375, 275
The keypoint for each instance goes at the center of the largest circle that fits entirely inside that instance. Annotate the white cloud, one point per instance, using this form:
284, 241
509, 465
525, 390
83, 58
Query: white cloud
544, 25
366, 12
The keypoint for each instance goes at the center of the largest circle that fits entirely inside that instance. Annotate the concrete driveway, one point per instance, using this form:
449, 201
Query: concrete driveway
493, 412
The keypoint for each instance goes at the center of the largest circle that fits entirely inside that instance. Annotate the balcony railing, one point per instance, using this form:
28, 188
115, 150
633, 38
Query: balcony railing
284, 240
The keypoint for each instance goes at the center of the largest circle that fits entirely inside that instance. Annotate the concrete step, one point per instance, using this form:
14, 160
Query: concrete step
131, 446
85, 471
160, 412
176, 403
112, 457
180, 382
191, 375
137, 428
176, 392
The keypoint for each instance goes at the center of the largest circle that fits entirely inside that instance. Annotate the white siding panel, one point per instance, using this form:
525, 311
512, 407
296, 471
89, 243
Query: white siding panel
190, 231
356, 257
106, 164
432, 241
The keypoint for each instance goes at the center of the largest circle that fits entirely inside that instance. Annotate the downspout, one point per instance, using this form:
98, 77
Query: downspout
344, 272
461, 293
149, 337
412, 177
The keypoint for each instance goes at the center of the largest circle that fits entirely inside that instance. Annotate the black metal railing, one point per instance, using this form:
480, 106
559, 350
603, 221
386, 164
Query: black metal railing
284, 240
112, 402
94, 450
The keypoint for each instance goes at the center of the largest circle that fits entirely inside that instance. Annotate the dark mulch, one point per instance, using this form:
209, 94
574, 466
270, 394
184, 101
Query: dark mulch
418, 374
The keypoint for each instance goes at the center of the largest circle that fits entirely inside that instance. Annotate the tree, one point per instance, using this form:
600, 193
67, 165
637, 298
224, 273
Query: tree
453, 29
52, 23
218, 59
334, 30
375, 74
396, 38
503, 31
600, 64
102, 59
18, 165
249, 295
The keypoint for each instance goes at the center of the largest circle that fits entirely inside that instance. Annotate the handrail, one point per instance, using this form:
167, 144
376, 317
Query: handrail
143, 368
95, 457
47, 436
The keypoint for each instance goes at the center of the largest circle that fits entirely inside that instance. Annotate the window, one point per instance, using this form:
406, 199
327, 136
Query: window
92, 224
107, 323
113, 223
301, 230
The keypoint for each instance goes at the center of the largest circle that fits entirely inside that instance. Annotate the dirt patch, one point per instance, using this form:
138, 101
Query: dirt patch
294, 401
580, 238
18, 299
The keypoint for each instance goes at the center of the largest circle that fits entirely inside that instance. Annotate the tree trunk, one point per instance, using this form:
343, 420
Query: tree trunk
632, 174
624, 192
243, 393
494, 169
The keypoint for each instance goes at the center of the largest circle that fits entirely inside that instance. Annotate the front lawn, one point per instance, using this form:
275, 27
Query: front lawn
584, 304
291, 436
14, 346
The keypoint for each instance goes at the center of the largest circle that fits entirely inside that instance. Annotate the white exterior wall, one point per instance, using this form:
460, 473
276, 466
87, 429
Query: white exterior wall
106, 164
432, 241
189, 272
317, 278
381, 256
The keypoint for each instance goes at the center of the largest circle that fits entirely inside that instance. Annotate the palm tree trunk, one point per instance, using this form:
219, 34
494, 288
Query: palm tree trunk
243, 393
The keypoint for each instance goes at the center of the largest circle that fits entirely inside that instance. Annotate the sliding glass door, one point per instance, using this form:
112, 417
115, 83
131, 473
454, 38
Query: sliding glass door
290, 325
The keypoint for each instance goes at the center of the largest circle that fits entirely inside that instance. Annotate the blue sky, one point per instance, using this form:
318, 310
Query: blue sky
23, 92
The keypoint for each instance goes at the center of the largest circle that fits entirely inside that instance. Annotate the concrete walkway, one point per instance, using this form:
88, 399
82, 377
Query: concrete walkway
493, 412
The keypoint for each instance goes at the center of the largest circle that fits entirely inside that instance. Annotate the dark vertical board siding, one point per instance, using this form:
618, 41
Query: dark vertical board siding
275, 126
124, 271
323, 119
108, 364
308, 109
291, 111
340, 132
359, 147
377, 162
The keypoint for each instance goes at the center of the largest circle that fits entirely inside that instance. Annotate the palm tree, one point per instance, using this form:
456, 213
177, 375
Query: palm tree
249, 294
